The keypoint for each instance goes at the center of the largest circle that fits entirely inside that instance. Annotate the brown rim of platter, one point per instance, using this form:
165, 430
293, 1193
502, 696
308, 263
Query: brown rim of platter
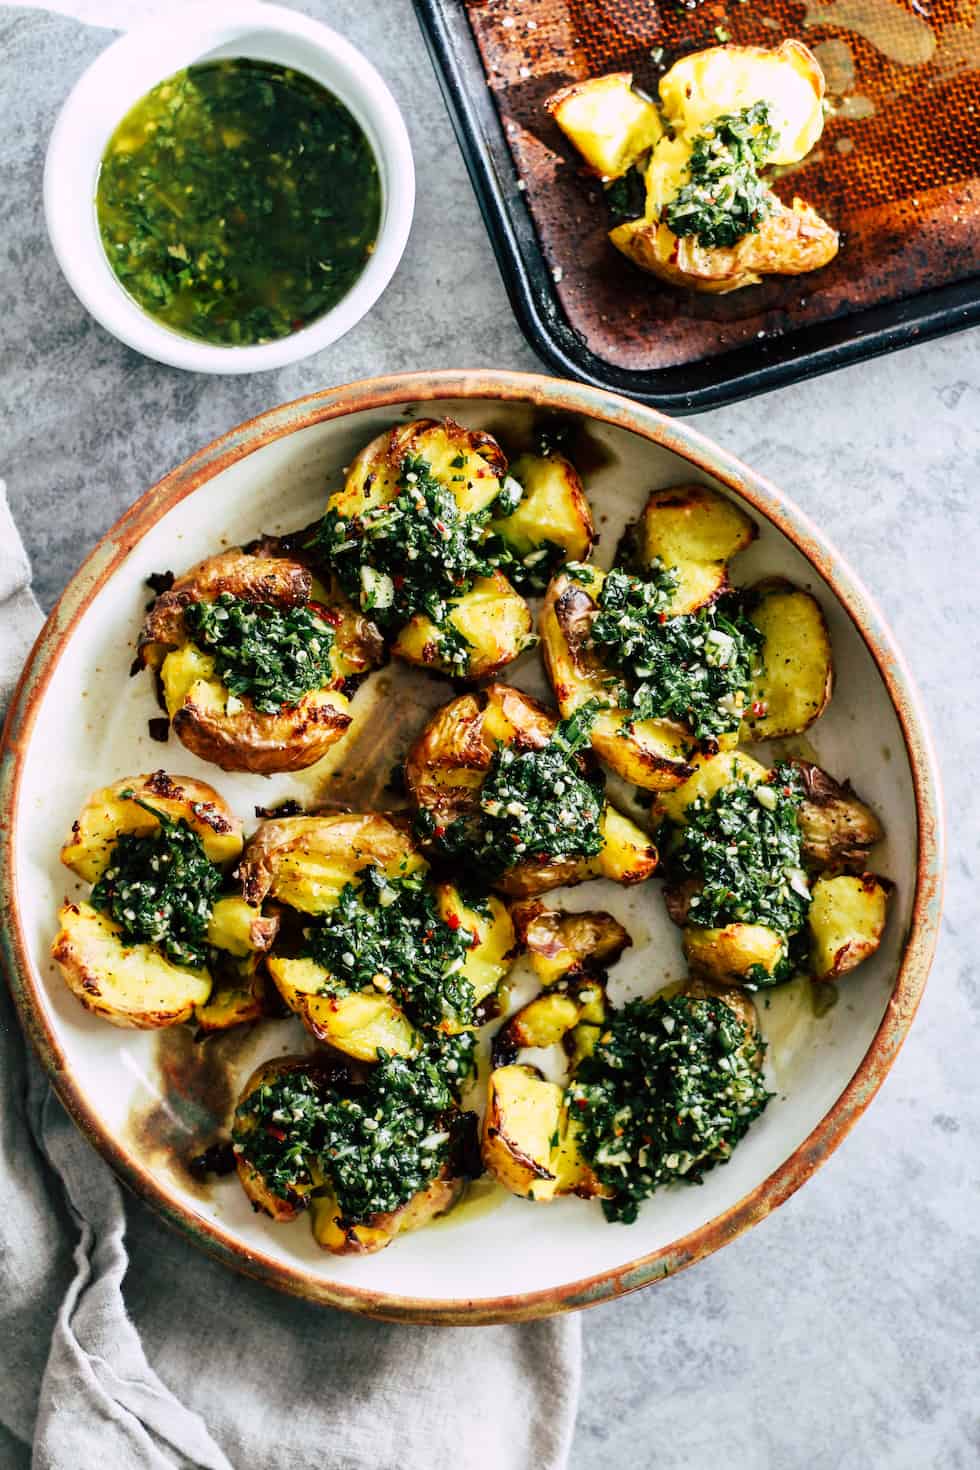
552, 395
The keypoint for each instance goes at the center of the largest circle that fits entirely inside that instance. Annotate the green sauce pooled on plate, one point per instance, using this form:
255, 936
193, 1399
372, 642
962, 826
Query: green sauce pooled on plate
238, 201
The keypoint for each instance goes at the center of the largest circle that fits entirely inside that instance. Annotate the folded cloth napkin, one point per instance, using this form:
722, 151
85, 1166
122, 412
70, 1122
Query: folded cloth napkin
123, 1347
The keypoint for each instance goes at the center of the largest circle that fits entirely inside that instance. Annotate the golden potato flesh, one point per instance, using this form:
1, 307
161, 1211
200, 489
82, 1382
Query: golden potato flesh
494, 946
492, 618
553, 509
304, 862
566, 945
239, 994
847, 919
794, 684
359, 1025
609, 123
131, 985
726, 955
693, 531
837, 827
240, 928
710, 774
726, 79
529, 1143
652, 754
108, 813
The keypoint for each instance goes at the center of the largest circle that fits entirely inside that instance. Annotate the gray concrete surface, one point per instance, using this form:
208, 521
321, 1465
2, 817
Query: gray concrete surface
841, 1334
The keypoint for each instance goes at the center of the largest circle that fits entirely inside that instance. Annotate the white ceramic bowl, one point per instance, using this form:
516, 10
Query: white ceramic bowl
123, 74
149, 1100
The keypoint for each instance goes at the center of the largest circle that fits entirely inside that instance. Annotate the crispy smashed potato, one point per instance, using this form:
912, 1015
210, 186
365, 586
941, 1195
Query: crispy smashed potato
847, 920
108, 813
721, 82
695, 532
848, 909
794, 683
311, 1191
445, 769
137, 985
373, 477
726, 79
565, 945
653, 754
304, 863
529, 1138
131, 985
609, 123
838, 827
494, 620
553, 511
228, 730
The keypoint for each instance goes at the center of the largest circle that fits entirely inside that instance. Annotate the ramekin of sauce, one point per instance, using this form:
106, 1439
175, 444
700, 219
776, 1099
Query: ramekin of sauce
229, 189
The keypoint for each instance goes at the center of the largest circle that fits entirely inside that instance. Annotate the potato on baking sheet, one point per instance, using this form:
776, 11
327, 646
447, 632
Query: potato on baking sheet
609, 122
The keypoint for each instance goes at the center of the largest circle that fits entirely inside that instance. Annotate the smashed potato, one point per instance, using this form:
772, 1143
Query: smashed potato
493, 621
564, 945
793, 685
446, 770
847, 921
230, 729
551, 522
694, 531
307, 863
116, 809
129, 979
285, 1183
609, 123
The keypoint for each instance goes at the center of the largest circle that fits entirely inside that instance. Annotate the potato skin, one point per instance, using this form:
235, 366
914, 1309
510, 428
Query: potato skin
725, 955
249, 739
371, 479
133, 986
567, 945
446, 766
106, 814
838, 827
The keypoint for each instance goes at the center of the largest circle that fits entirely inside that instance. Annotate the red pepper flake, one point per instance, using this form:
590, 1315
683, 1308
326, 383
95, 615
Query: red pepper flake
759, 707
398, 580
438, 831
276, 1133
662, 616
452, 921
326, 614
580, 1102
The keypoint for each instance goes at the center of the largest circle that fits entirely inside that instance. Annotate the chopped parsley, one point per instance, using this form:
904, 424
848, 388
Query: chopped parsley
694, 668
669, 1090
378, 1143
409, 555
533, 806
272, 655
745, 846
626, 196
386, 932
725, 198
160, 888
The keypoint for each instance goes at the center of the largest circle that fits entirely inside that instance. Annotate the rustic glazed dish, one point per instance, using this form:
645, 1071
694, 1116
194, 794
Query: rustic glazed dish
147, 1102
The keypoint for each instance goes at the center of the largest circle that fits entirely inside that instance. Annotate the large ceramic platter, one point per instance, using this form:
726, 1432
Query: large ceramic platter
150, 1101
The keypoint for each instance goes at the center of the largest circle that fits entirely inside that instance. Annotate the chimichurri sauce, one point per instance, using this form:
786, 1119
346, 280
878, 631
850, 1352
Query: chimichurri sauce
238, 201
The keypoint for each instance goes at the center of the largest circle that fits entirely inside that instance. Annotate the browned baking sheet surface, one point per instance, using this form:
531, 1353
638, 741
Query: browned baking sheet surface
897, 170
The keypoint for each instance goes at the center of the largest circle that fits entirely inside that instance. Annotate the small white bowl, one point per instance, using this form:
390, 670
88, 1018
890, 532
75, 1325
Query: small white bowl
123, 74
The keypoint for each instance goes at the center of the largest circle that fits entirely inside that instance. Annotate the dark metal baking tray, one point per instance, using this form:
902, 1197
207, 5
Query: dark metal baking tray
897, 171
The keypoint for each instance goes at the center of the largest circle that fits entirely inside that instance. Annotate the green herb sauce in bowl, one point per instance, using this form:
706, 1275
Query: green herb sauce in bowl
238, 201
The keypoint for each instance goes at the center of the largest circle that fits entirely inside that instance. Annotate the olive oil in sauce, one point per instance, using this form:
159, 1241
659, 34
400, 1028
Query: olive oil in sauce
238, 201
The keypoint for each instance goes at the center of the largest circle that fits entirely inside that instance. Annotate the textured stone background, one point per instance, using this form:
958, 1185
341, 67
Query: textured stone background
843, 1332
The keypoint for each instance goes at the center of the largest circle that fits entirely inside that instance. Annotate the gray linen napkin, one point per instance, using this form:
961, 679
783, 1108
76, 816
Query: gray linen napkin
93, 1291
